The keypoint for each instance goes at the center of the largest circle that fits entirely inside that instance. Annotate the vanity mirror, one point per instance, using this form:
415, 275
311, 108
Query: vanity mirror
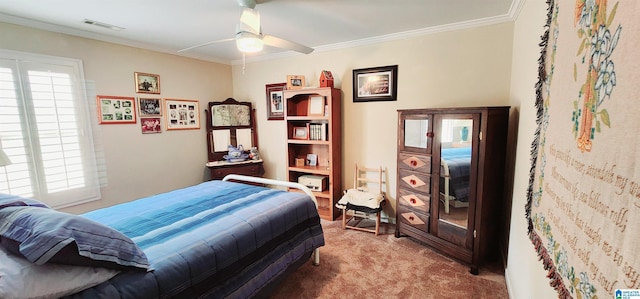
231, 126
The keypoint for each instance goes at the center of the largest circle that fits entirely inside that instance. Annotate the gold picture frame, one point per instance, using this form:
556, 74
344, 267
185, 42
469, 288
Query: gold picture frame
147, 83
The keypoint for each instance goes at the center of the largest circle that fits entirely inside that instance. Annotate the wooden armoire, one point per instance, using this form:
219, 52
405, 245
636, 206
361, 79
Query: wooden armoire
451, 181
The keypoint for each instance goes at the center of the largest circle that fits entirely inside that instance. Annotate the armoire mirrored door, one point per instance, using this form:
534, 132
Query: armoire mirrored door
455, 141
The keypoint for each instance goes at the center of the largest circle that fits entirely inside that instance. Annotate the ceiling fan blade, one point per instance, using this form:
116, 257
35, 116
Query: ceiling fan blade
251, 18
206, 44
273, 41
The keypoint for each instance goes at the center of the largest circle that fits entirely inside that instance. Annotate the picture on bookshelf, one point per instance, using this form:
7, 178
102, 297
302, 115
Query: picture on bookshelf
295, 82
316, 105
300, 133
312, 159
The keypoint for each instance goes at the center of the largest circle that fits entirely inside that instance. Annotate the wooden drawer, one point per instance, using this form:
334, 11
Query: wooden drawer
414, 219
414, 181
414, 162
251, 169
414, 201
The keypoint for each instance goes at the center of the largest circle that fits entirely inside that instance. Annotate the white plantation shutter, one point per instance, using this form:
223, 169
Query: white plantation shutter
45, 130
447, 131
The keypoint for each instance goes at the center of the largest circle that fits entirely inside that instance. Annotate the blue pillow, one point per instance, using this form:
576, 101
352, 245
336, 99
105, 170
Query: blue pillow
7, 200
44, 235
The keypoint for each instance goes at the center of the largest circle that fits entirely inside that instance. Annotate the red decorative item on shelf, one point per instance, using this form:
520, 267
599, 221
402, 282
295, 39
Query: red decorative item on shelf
326, 79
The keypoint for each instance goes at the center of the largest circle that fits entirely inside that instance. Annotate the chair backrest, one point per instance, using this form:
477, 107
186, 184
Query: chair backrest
364, 177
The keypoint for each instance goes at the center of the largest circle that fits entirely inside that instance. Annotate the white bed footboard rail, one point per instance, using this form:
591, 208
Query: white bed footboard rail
244, 178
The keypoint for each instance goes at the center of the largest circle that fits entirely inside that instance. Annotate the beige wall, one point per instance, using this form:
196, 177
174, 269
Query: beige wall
136, 165
525, 274
457, 68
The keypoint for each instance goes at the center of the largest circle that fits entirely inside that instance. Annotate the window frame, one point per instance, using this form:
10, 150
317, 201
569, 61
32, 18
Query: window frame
21, 64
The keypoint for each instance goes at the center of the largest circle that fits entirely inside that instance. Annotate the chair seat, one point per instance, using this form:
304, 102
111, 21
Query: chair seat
362, 203
363, 209
359, 199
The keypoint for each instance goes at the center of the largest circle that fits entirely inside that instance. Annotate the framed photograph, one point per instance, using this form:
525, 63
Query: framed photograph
116, 110
275, 101
147, 83
312, 159
300, 133
182, 114
316, 105
150, 125
375, 84
295, 82
150, 107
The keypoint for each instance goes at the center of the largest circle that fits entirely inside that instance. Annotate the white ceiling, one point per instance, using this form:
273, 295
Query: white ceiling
170, 25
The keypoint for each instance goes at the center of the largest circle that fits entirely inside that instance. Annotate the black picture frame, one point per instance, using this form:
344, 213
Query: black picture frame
375, 84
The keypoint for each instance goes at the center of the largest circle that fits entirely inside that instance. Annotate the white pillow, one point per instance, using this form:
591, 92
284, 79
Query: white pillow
20, 278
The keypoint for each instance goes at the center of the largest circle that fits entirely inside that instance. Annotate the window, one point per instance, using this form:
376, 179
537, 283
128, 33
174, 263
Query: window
45, 130
447, 130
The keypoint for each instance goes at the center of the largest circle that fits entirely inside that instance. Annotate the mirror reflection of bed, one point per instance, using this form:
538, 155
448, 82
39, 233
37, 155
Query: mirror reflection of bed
455, 168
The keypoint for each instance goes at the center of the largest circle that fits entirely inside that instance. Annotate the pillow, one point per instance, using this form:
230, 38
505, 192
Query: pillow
46, 235
20, 278
7, 200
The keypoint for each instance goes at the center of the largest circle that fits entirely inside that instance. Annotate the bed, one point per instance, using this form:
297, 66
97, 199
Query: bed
454, 178
213, 240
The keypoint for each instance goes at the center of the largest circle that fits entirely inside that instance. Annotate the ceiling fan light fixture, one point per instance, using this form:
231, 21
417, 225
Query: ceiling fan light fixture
249, 43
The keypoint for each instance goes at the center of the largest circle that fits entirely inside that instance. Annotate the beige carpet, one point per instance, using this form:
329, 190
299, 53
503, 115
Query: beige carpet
360, 265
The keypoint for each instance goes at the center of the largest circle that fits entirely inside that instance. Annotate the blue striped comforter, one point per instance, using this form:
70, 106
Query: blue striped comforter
220, 239
459, 162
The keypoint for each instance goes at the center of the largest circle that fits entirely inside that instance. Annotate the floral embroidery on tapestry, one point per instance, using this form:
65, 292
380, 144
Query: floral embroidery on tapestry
594, 53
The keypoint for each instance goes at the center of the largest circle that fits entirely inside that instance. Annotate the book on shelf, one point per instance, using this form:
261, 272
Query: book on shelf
318, 131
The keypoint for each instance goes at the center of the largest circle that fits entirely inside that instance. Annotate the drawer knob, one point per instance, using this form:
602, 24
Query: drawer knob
412, 200
412, 182
414, 163
411, 218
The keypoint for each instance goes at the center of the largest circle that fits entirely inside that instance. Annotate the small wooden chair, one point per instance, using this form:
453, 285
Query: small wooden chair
362, 182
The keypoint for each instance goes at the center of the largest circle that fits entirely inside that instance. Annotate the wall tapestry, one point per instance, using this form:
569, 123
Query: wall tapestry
583, 205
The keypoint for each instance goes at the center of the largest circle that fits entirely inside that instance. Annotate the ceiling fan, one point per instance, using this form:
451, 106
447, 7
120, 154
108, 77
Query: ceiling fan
249, 37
